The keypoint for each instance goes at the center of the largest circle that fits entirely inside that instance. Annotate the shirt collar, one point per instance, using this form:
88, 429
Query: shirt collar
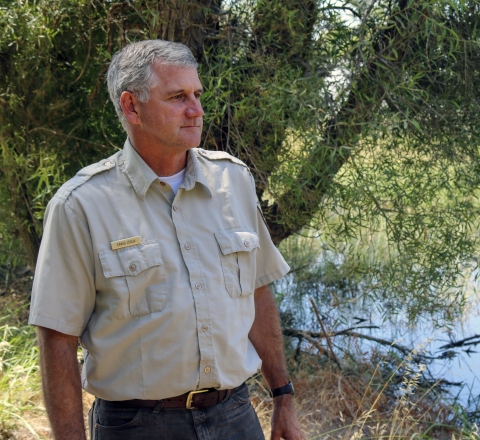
142, 176
194, 173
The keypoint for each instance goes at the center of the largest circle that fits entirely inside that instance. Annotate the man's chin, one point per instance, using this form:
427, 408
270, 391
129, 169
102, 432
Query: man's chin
192, 143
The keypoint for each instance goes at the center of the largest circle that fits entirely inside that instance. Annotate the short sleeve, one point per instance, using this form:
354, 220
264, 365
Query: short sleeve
270, 264
63, 294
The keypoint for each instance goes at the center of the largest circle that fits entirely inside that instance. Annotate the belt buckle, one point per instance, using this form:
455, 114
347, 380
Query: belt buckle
190, 397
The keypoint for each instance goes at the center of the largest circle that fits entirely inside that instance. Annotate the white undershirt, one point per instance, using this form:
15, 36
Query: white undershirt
174, 181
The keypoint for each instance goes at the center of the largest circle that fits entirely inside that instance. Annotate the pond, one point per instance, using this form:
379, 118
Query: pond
449, 353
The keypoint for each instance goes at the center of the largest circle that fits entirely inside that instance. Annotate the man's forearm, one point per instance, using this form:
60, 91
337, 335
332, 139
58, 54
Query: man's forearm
61, 383
266, 336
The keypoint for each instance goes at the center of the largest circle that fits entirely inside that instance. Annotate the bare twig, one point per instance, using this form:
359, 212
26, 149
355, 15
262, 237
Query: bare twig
327, 337
348, 332
56, 133
296, 269
86, 59
461, 343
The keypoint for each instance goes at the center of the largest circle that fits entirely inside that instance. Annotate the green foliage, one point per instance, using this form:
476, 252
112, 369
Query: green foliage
11, 252
357, 119
426, 213
398, 232
49, 105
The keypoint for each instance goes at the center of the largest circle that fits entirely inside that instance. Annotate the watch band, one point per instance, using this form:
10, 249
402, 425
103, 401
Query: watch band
286, 389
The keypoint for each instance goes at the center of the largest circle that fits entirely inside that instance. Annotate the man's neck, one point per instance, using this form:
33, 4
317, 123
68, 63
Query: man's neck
163, 161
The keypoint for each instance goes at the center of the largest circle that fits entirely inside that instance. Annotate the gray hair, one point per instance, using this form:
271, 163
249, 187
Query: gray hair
131, 69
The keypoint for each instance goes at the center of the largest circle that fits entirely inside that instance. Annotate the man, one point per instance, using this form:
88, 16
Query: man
159, 261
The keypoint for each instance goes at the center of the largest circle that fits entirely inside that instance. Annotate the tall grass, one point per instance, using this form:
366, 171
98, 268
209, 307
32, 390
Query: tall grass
367, 399
19, 377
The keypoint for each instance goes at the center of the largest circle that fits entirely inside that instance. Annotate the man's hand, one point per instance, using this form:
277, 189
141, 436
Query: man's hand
284, 419
62, 390
266, 337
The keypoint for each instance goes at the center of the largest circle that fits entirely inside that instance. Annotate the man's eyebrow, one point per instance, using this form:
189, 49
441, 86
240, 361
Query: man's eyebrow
178, 92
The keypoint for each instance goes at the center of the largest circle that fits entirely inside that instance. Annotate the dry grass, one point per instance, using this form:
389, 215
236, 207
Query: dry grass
330, 406
361, 404
366, 400
319, 406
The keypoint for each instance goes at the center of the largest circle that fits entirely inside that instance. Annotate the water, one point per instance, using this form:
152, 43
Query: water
459, 366
455, 365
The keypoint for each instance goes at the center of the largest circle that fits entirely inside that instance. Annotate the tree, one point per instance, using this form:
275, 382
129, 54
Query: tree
307, 92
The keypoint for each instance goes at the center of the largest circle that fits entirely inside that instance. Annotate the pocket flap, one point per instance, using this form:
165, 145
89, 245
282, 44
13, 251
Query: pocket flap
236, 241
130, 260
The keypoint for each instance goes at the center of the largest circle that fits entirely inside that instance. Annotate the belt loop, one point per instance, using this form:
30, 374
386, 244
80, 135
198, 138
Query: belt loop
158, 406
228, 394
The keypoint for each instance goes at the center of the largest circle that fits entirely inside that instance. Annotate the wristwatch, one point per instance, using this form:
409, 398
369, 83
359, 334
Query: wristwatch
286, 389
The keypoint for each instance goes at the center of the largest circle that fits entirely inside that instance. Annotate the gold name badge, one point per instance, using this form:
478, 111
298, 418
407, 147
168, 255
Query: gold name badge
119, 244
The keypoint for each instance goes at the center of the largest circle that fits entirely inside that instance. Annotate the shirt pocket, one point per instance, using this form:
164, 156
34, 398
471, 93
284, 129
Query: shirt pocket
238, 249
136, 276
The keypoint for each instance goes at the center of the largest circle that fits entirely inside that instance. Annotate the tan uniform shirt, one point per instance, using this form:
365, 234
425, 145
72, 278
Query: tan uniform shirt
169, 311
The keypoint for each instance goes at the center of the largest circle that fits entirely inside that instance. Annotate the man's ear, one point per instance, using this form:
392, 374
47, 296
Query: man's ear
129, 103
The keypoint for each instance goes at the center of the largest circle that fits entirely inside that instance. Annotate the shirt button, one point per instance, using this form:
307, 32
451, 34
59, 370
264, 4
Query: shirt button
204, 328
132, 267
187, 247
246, 243
108, 163
207, 369
162, 183
175, 208
198, 286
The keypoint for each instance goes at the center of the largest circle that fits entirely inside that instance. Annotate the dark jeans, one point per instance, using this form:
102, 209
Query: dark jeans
234, 419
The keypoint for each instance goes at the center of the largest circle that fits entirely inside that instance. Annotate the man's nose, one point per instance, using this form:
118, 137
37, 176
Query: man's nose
194, 109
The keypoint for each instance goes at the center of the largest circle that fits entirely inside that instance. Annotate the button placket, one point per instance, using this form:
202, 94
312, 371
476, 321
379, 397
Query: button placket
200, 294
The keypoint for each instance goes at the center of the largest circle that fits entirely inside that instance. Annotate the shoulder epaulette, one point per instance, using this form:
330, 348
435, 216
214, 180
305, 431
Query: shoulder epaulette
219, 155
84, 175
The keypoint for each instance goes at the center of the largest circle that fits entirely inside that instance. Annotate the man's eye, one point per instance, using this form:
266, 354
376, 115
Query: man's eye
176, 97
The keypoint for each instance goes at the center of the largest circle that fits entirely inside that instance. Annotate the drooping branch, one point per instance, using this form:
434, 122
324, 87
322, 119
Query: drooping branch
281, 33
308, 335
294, 210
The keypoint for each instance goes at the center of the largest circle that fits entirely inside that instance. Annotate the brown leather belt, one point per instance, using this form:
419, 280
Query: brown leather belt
191, 400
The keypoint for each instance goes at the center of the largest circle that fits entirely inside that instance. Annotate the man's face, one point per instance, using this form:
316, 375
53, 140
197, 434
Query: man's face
172, 118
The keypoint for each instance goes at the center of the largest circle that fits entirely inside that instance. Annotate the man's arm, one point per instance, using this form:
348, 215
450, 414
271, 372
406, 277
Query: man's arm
62, 390
266, 337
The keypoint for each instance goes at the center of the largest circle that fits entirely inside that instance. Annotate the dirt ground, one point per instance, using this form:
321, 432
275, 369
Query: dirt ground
34, 423
330, 404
